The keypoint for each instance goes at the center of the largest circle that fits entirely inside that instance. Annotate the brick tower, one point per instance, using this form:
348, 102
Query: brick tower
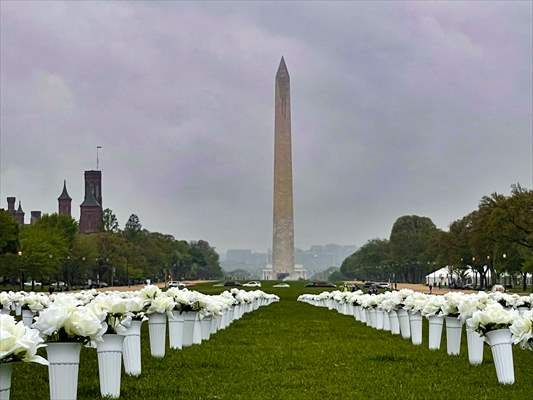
91, 208
64, 202
19, 215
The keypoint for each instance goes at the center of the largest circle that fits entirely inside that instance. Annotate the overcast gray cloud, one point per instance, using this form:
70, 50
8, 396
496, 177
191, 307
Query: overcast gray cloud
398, 108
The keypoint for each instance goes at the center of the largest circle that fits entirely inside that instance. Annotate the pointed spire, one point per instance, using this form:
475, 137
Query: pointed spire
283, 72
20, 207
64, 195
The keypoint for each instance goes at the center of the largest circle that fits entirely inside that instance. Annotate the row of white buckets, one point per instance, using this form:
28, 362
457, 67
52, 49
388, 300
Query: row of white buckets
409, 325
184, 329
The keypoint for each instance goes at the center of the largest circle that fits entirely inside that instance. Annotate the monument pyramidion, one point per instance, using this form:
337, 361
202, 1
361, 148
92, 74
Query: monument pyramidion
283, 266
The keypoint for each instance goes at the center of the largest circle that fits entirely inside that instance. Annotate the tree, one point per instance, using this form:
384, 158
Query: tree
9, 233
133, 227
62, 224
110, 221
44, 249
410, 246
370, 261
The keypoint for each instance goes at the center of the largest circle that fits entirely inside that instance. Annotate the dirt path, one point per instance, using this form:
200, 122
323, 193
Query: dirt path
139, 287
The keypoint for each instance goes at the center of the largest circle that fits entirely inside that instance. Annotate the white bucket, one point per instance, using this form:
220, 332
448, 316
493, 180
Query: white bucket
175, 330
64, 359
454, 327
110, 364
27, 317
131, 349
475, 346
500, 342
435, 331
205, 324
5, 380
157, 326
189, 318
405, 327
415, 322
386, 321
379, 320
394, 323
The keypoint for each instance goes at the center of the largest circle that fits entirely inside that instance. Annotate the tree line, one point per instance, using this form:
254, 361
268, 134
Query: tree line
494, 240
53, 250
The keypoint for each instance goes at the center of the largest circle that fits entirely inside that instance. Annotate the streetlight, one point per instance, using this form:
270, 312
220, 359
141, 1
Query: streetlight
21, 272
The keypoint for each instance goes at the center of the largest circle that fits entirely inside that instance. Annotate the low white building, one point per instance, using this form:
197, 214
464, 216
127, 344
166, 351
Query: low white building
299, 273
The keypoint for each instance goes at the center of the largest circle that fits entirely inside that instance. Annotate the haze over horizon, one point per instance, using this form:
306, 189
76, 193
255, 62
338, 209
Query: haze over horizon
397, 108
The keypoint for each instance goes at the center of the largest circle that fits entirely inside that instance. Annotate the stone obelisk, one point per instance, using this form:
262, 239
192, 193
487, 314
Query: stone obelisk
283, 232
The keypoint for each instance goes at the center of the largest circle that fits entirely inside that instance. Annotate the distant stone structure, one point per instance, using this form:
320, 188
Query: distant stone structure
35, 217
64, 202
91, 212
283, 225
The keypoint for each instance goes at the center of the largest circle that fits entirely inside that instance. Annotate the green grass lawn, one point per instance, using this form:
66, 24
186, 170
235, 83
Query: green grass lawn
291, 350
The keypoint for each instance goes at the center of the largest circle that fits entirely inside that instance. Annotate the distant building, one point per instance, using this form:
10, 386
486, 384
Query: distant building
315, 259
64, 202
18, 214
91, 212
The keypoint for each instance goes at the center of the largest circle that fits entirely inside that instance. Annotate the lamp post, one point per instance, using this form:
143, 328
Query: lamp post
21, 276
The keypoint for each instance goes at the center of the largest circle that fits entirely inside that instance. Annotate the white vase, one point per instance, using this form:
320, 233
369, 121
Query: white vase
454, 327
415, 322
5, 380
110, 364
405, 327
435, 331
379, 320
522, 310
373, 317
205, 324
5, 311
131, 349
501, 345
27, 317
357, 313
157, 326
214, 324
363, 314
386, 321
197, 332
475, 346
394, 322
64, 362
175, 330
189, 318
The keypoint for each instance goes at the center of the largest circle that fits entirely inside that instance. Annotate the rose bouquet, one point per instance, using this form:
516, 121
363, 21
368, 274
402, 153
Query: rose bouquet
522, 330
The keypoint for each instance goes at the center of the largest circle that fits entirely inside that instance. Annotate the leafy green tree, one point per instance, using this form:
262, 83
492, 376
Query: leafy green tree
110, 221
43, 249
133, 227
410, 246
62, 224
370, 262
9, 231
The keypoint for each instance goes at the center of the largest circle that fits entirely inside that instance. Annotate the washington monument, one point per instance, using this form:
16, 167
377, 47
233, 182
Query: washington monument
283, 232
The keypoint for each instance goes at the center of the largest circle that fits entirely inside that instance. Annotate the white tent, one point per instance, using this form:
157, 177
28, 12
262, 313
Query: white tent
447, 276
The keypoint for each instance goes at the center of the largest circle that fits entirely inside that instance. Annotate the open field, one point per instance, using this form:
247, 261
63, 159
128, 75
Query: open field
292, 350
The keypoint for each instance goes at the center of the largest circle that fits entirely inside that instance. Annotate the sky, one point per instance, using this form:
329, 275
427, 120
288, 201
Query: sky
397, 108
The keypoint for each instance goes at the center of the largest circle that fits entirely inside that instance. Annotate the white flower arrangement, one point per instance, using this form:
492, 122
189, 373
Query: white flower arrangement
433, 306
450, 307
492, 318
522, 330
415, 302
67, 321
18, 342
